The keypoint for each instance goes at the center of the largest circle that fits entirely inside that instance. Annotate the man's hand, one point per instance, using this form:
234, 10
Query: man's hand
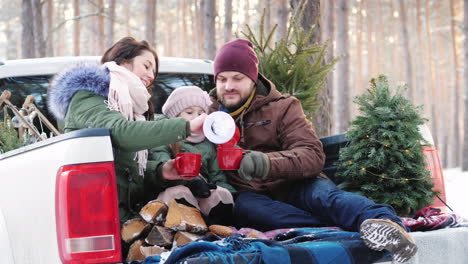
254, 164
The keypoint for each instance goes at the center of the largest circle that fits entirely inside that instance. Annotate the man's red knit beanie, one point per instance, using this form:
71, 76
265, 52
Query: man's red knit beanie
237, 55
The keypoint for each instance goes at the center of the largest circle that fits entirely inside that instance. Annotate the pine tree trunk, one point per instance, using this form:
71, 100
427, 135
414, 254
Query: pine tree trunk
227, 20
430, 62
110, 24
183, 37
50, 34
209, 46
342, 69
28, 46
38, 29
359, 28
328, 31
100, 33
281, 19
406, 49
127, 18
455, 136
465, 84
150, 22
267, 11
76, 31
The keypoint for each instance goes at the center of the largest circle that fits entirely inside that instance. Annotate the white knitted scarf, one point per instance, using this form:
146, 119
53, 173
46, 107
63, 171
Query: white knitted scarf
129, 96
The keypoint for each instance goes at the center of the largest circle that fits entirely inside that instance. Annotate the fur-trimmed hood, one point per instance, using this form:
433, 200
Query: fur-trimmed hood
89, 77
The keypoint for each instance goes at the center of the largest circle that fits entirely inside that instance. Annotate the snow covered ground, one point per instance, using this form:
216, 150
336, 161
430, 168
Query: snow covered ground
456, 188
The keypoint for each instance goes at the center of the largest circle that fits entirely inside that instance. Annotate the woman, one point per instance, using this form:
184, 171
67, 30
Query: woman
116, 95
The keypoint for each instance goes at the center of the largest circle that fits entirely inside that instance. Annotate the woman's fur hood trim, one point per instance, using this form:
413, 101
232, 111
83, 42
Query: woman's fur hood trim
88, 77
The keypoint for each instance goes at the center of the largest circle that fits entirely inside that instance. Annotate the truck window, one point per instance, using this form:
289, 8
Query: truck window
37, 86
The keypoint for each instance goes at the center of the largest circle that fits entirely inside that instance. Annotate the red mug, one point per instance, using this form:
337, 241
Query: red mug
188, 164
229, 158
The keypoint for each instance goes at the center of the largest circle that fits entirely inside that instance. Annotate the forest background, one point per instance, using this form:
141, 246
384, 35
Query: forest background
420, 43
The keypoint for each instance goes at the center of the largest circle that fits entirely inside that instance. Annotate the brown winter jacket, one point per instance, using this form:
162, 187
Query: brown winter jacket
275, 124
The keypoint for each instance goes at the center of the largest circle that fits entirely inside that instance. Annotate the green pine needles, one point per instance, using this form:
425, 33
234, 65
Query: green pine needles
384, 159
294, 64
8, 137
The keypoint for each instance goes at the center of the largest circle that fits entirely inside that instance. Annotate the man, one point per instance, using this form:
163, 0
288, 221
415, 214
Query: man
280, 176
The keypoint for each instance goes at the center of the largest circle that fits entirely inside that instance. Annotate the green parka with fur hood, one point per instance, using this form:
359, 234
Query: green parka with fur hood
78, 96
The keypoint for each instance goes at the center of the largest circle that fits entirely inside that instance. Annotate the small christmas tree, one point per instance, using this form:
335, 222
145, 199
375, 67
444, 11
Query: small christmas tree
384, 159
8, 137
294, 64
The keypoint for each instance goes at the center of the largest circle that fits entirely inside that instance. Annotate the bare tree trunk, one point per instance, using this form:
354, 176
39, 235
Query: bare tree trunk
342, 70
28, 46
359, 28
406, 49
432, 75
60, 47
421, 84
38, 29
169, 40
76, 31
201, 28
150, 22
328, 31
465, 84
110, 24
246, 15
100, 33
183, 40
227, 20
371, 35
282, 19
267, 21
209, 46
455, 137
50, 34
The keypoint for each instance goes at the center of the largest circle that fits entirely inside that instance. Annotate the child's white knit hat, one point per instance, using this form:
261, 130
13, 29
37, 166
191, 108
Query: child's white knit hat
184, 97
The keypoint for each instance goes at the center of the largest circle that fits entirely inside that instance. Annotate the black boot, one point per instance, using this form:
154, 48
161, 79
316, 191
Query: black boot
221, 214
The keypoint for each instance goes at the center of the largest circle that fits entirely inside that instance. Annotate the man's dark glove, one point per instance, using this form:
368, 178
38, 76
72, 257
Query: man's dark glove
200, 188
254, 164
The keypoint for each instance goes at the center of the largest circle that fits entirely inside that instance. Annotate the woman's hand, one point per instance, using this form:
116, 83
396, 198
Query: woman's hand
196, 124
169, 171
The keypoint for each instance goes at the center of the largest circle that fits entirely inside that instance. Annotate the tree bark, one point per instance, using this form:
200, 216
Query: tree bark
342, 70
267, 13
28, 46
38, 29
150, 22
282, 14
227, 20
100, 25
76, 31
465, 84
110, 24
209, 45
328, 31
455, 137
433, 93
406, 49
50, 34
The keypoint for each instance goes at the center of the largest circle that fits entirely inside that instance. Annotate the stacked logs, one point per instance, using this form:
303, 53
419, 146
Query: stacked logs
163, 227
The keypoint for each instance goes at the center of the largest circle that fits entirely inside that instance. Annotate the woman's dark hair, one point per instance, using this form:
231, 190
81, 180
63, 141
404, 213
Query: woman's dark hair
125, 50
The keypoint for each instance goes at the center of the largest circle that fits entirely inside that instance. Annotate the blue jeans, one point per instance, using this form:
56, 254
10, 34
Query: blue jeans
311, 202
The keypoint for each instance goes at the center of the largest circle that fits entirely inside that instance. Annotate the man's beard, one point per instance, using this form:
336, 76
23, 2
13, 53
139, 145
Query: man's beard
234, 107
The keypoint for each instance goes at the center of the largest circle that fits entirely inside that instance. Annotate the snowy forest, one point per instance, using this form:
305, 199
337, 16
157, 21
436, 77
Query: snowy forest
420, 43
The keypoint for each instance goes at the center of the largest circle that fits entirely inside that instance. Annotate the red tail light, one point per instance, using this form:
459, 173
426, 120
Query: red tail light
87, 216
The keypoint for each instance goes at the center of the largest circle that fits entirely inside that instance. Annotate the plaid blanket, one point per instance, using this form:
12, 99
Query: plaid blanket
304, 245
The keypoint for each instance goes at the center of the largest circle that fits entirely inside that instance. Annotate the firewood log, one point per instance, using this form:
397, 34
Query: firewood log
160, 236
184, 218
134, 229
154, 212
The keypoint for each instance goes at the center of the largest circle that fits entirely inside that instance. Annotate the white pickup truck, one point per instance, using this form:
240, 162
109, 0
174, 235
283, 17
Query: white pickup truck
58, 200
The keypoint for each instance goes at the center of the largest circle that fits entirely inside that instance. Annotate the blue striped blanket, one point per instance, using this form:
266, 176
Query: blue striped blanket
304, 245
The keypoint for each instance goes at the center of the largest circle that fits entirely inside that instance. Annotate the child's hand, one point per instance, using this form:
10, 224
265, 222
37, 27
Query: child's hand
169, 171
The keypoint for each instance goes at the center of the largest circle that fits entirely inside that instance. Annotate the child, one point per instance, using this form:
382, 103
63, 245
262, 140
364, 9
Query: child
212, 196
